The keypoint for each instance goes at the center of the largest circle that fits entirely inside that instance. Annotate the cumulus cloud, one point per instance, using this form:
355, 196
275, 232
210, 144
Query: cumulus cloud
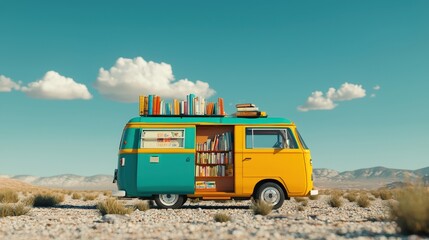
376, 87
55, 86
7, 85
317, 102
320, 101
129, 78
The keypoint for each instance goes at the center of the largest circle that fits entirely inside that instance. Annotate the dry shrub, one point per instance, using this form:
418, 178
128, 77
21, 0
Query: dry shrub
194, 200
300, 208
335, 200
8, 196
411, 211
222, 217
363, 201
47, 199
90, 196
142, 205
261, 208
300, 199
13, 209
76, 195
313, 197
351, 196
107, 193
112, 206
375, 193
386, 195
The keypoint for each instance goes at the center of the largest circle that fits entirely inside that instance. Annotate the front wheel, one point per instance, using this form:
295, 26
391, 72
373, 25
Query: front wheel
270, 193
169, 200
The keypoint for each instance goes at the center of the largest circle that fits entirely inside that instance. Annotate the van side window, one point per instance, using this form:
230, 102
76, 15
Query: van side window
157, 138
277, 138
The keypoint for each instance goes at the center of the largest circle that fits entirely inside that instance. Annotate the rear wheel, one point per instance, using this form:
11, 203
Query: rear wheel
270, 193
169, 200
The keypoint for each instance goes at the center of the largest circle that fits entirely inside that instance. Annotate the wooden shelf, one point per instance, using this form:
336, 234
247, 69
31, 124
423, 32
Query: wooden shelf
214, 176
213, 151
213, 164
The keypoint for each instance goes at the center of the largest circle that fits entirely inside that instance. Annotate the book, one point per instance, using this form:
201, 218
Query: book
247, 109
244, 105
248, 114
150, 105
141, 105
146, 105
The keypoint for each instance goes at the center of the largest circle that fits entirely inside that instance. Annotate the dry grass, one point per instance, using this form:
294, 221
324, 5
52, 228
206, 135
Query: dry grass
313, 197
261, 208
386, 194
76, 195
90, 196
335, 200
300, 208
352, 197
363, 201
112, 206
13, 209
411, 211
194, 200
47, 199
8, 196
221, 217
142, 205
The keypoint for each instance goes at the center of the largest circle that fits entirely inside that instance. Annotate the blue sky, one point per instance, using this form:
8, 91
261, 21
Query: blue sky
353, 75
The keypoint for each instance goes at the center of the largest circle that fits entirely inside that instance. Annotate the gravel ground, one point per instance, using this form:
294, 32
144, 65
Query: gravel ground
78, 219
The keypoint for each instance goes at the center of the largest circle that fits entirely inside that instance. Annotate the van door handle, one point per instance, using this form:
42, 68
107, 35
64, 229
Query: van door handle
247, 159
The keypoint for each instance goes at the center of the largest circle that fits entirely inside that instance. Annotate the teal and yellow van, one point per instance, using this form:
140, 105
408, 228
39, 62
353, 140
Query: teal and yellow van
169, 158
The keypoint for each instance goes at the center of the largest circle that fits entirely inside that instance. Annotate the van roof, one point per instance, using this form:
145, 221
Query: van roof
203, 120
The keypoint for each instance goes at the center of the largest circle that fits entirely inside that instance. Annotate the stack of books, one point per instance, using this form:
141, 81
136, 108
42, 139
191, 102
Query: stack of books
193, 105
248, 110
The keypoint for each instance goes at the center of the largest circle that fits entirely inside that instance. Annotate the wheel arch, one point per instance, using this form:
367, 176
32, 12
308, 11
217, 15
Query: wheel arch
273, 181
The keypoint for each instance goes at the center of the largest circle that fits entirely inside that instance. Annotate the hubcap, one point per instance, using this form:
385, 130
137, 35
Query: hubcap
270, 195
168, 199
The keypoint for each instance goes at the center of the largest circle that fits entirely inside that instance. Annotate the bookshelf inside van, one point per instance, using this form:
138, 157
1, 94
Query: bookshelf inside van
214, 160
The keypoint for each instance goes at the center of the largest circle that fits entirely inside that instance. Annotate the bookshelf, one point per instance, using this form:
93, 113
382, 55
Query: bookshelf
214, 160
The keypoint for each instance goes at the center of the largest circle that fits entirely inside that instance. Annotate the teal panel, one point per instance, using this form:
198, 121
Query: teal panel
190, 138
127, 174
130, 138
173, 173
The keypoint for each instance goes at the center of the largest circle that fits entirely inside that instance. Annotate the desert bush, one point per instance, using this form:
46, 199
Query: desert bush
375, 193
13, 209
112, 206
363, 201
411, 211
194, 200
351, 196
47, 199
386, 195
300, 199
335, 200
221, 217
261, 208
90, 196
76, 195
300, 208
8, 196
142, 205
313, 197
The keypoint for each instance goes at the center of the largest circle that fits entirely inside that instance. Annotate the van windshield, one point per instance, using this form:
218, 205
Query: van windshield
301, 140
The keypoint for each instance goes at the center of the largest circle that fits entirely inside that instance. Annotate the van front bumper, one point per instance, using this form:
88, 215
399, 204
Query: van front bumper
314, 192
119, 193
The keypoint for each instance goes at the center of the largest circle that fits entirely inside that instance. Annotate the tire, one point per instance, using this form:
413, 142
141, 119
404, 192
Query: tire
169, 200
270, 193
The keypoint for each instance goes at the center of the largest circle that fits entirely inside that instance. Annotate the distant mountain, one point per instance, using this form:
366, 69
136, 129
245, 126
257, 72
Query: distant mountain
70, 181
367, 177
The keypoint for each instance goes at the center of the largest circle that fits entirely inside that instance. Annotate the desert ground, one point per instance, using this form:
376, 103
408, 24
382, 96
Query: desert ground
302, 218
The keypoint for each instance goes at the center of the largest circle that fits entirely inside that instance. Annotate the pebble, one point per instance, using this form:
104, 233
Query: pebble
77, 219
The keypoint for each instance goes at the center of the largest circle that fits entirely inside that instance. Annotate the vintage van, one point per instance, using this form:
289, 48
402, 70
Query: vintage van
172, 158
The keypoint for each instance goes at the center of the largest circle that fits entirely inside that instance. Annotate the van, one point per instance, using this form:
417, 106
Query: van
169, 158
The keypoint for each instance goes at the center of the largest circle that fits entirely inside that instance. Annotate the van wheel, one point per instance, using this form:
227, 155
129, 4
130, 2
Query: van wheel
169, 200
270, 193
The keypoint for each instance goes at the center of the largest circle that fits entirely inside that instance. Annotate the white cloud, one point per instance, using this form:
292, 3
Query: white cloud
347, 91
376, 88
319, 101
7, 85
55, 86
129, 78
